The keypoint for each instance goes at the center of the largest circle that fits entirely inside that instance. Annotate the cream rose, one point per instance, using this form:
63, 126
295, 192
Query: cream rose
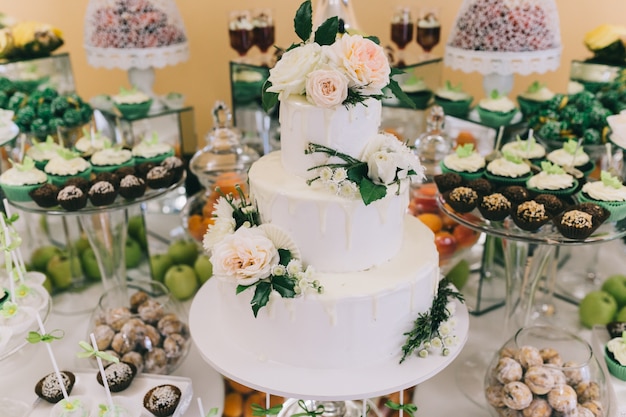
382, 167
363, 61
326, 88
289, 74
247, 255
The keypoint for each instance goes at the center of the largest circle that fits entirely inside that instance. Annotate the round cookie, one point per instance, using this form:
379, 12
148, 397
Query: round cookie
508, 370
551, 356
539, 379
572, 371
529, 356
539, 407
563, 399
517, 395
494, 396
587, 391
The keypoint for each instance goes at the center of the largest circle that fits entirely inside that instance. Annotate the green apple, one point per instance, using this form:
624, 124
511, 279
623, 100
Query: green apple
60, 269
616, 286
459, 274
597, 307
90, 265
181, 280
135, 225
621, 315
82, 244
183, 252
159, 264
133, 253
47, 284
203, 268
42, 255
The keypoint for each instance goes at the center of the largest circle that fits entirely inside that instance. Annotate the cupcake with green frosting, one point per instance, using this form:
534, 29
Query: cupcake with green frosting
464, 161
18, 181
552, 180
418, 92
531, 100
454, 101
496, 110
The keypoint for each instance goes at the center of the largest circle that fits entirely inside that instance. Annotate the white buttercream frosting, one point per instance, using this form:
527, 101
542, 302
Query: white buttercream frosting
505, 168
542, 94
131, 97
111, 156
150, 150
599, 191
525, 149
471, 163
546, 181
88, 144
563, 158
43, 151
501, 104
62, 166
617, 347
14, 176
451, 94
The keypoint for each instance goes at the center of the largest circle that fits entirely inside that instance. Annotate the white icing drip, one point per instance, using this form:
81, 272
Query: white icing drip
374, 308
323, 211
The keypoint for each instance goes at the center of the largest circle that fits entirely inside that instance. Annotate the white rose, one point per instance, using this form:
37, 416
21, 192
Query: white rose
326, 88
246, 255
382, 167
380, 142
289, 74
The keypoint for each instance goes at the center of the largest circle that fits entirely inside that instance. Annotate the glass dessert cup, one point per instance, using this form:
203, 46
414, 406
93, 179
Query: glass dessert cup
401, 32
428, 30
240, 32
146, 319
545, 366
263, 33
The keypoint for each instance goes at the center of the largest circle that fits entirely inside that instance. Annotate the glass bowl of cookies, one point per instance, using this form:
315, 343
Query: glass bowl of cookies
546, 371
141, 323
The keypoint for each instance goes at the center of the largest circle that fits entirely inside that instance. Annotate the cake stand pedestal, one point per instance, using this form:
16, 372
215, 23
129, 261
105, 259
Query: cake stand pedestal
366, 381
105, 228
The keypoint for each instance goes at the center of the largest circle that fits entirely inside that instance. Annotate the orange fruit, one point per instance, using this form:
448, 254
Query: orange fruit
432, 221
465, 137
195, 227
227, 182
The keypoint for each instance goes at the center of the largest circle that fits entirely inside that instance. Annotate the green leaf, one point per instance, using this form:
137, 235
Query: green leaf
374, 39
357, 172
284, 286
371, 192
303, 22
268, 99
261, 296
400, 95
326, 34
241, 288
285, 256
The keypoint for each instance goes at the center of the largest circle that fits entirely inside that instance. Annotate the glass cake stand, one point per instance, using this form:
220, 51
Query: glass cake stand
330, 386
105, 228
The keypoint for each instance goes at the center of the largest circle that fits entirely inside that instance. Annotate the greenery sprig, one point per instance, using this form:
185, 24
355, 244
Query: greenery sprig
317, 411
426, 326
410, 409
259, 411
243, 210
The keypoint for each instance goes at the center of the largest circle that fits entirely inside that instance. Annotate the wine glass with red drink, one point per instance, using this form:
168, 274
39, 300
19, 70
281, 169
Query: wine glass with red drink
264, 32
428, 29
240, 32
401, 31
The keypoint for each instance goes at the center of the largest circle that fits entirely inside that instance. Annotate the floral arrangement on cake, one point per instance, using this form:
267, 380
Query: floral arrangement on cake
385, 162
254, 254
330, 68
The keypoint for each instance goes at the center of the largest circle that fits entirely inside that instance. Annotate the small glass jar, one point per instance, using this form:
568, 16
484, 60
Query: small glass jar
434, 144
546, 371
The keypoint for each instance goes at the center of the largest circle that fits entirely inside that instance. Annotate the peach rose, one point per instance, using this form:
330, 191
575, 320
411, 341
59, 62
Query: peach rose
326, 88
363, 61
247, 255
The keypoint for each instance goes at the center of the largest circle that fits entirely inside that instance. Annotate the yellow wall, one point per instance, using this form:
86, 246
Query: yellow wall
204, 77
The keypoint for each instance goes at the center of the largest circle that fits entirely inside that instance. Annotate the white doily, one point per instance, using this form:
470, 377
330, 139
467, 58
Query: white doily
137, 58
503, 63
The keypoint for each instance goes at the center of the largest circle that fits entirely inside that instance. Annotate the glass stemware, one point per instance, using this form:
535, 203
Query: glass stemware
240, 31
263, 32
428, 29
401, 31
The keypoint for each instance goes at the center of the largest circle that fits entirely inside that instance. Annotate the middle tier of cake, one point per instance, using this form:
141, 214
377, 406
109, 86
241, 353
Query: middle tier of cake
359, 318
333, 233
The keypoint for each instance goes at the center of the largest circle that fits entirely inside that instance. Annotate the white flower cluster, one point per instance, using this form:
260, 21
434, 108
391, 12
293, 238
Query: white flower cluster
336, 181
444, 338
303, 276
390, 161
224, 224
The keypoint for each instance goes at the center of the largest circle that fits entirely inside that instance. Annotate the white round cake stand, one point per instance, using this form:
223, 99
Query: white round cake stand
367, 381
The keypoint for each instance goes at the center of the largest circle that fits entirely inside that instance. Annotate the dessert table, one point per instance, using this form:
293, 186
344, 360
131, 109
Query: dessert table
441, 395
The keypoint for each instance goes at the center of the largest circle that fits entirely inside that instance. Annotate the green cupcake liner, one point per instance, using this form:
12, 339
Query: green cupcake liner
454, 108
616, 208
495, 119
615, 369
528, 107
110, 168
504, 181
421, 99
467, 176
59, 180
18, 192
135, 110
155, 159
559, 193
40, 164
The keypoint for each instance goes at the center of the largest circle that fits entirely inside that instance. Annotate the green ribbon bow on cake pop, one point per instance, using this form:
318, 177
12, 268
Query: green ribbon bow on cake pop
259, 411
89, 351
36, 337
610, 180
318, 411
550, 168
410, 409
465, 151
512, 158
9, 309
13, 236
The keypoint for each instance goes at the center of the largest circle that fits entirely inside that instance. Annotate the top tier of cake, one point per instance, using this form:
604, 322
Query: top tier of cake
345, 129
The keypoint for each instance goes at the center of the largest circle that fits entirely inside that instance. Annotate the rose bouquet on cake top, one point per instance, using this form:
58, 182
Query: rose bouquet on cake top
256, 255
330, 68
